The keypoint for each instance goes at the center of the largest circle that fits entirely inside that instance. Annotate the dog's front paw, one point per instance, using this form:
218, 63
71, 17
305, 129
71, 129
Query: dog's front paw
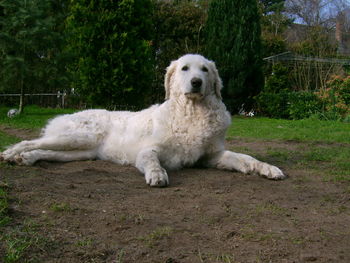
271, 172
157, 178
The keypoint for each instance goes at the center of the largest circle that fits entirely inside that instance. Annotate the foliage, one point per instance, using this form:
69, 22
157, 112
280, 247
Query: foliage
273, 100
273, 44
278, 80
178, 30
289, 104
317, 43
273, 105
278, 99
336, 97
30, 46
331, 103
303, 105
112, 43
274, 22
233, 42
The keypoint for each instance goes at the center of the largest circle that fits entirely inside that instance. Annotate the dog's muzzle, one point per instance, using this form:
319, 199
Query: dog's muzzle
196, 88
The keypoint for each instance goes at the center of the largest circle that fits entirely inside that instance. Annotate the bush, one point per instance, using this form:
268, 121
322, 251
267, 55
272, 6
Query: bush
331, 103
289, 105
336, 97
274, 105
278, 80
112, 44
303, 104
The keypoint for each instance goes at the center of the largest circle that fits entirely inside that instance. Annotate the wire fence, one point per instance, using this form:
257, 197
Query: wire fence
58, 99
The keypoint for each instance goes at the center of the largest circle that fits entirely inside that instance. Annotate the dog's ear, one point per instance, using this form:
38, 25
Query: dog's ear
168, 78
217, 82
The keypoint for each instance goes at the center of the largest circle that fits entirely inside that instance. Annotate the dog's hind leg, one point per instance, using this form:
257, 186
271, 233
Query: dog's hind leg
30, 157
55, 143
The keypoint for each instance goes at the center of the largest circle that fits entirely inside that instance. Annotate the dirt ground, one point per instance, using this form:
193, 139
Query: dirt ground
95, 211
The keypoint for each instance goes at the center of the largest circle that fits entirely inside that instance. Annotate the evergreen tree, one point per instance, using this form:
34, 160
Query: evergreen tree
178, 30
28, 45
233, 42
111, 41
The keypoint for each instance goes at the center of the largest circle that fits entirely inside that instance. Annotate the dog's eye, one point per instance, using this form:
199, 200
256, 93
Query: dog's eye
204, 69
184, 68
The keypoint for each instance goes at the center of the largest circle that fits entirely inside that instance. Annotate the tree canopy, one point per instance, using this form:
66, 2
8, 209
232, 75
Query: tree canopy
29, 46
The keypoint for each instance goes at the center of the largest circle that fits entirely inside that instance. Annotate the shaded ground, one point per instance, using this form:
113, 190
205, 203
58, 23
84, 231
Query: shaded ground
95, 211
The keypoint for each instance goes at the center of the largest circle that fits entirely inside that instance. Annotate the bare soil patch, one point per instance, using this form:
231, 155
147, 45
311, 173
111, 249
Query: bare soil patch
95, 211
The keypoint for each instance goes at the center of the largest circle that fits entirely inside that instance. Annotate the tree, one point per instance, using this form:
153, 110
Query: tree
233, 42
112, 44
273, 25
273, 17
316, 12
27, 44
178, 30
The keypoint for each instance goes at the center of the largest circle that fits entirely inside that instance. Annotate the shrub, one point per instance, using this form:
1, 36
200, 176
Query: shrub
303, 104
331, 103
278, 80
273, 105
290, 105
336, 96
112, 44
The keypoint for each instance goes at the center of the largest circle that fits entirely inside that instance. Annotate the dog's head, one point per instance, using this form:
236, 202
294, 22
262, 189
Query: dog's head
192, 76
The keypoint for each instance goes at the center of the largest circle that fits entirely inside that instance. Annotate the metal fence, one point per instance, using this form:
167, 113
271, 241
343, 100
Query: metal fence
43, 99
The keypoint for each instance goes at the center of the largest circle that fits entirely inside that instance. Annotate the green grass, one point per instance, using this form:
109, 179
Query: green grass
19, 240
60, 207
298, 130
33, 117
4, 218
331, 162
6, 140
152, 239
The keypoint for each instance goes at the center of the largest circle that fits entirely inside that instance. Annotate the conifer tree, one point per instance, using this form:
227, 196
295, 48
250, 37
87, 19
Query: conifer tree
233, 42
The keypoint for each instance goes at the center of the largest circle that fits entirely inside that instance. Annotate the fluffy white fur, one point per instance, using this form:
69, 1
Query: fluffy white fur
188, 128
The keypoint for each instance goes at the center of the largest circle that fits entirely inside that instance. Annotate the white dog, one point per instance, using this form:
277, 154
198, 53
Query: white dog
187, 129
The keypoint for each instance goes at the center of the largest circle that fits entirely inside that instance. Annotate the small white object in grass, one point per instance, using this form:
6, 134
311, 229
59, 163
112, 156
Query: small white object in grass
12, 113
251, 113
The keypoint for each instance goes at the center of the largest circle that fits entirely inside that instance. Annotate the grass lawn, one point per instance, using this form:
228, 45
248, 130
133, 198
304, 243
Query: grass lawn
297, 130
324, 145
33, 117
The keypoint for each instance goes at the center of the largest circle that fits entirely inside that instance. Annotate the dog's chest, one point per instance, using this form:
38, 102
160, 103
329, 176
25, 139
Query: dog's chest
194, 133
191, 138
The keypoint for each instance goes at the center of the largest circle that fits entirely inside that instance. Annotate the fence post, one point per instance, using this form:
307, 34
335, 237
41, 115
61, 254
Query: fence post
63, 95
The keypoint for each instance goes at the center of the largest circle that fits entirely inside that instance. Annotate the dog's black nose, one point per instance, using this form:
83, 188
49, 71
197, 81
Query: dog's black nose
196, 84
